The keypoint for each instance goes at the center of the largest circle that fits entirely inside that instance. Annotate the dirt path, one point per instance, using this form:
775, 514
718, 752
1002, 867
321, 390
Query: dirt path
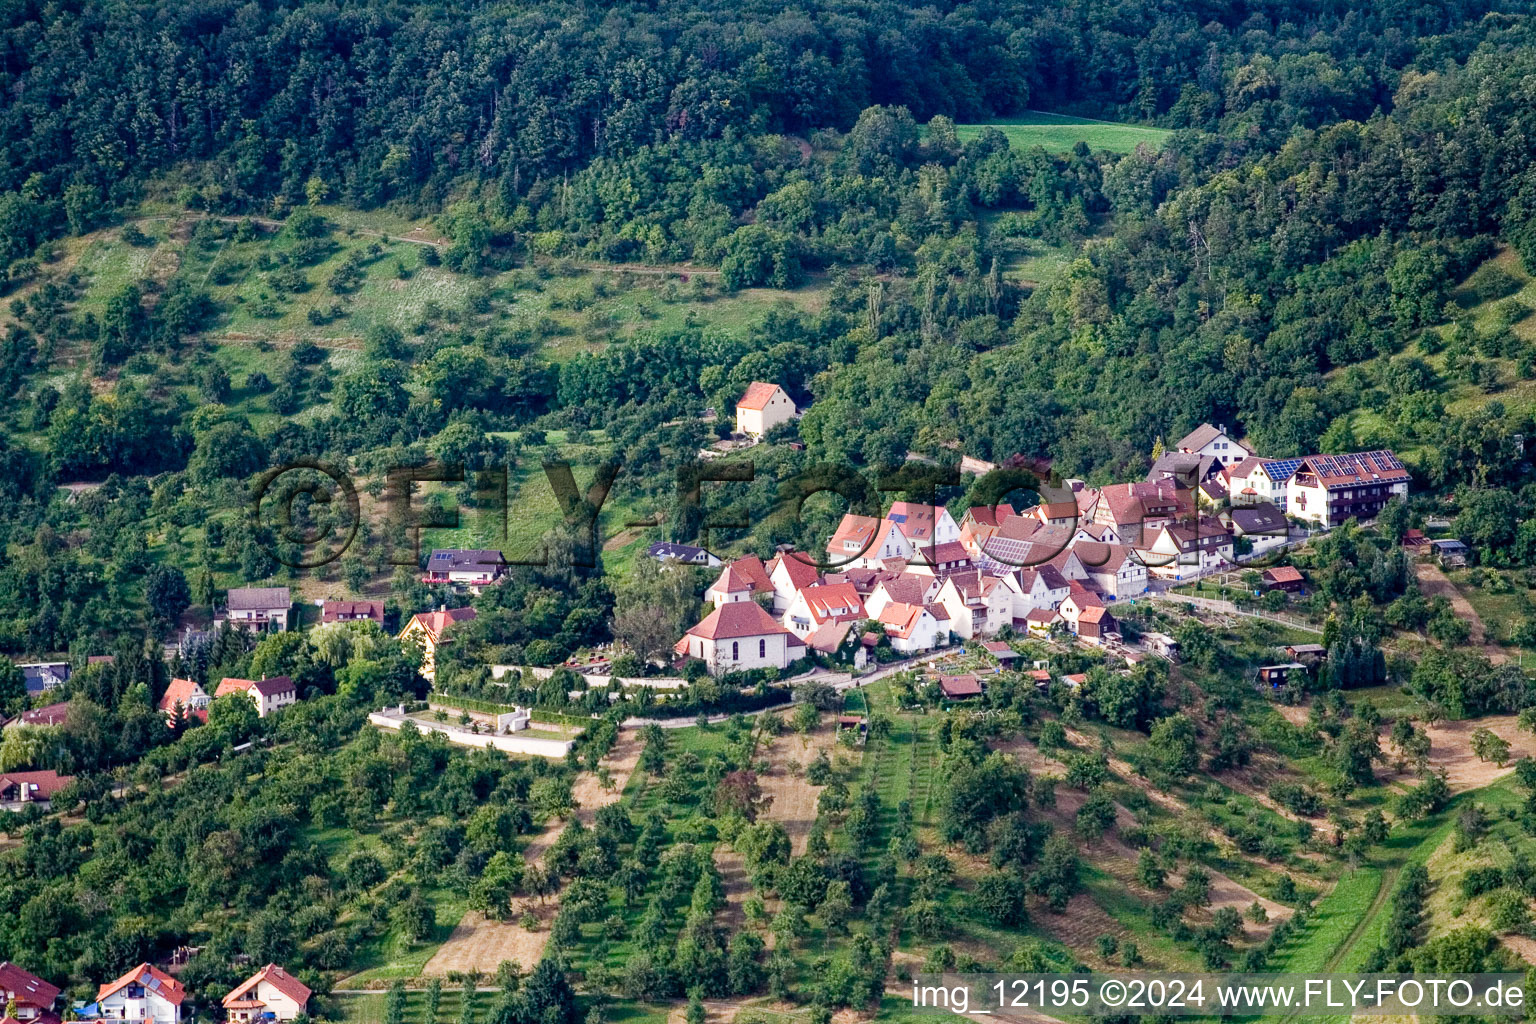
1434, 583
479, 943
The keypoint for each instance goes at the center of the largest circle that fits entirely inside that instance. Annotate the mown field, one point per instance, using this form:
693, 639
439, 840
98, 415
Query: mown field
1058, 133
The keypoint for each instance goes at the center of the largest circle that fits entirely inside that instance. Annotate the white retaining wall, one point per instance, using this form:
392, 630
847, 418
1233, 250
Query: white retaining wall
511, 744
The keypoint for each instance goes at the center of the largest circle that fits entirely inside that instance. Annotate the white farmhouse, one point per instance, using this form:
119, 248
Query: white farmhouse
762, 408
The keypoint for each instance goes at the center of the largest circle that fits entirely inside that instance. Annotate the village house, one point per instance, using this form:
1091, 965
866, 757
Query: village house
739, 636
258, 608
912, 628
903, 588
1022, 541
1254, 480
1085, 615
1098, 532
818, 606
864, 580
1040, 587
45, 717
839, 642
1263, 525
268, 694
922, 526
352, 611
1176, 549
30, 997
864, 541
145, 993
1055, 513
1187, 469
790, 572
44, 676
743, 580
269, 994
1040, 621
189, 696
470, 568
979, 522
1328, 489
663, 551
430, 629
19, 790
1114, 570
1214, 442
940, 560
762, 408
1137, 509
978, 605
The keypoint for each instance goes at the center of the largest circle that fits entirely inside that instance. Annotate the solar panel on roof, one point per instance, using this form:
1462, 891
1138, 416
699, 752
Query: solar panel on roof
897, 517
1282, 469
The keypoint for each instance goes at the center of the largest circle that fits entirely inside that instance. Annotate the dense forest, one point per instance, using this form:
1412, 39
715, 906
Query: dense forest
1291, 260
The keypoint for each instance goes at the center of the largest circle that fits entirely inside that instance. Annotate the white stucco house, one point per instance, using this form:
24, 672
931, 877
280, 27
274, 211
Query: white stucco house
1216, 443
790, 572
762, 408
739, 636
978, 605
822, 605
269, 994
269, 695
912, 628
145, 993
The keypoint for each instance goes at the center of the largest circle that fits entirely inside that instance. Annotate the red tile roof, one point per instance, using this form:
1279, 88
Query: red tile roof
338, 611
801, 570
829, 638
834, 602
278, 978
858, 529
438, 622
182, 690
745, 574
152, 978
737, 619
914, 520
900, 619
1283, 574
757, 396
26, 987
43, 784
53, 714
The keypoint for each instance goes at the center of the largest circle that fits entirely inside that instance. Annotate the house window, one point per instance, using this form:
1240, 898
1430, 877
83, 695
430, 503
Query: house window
762, 648
735, 650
